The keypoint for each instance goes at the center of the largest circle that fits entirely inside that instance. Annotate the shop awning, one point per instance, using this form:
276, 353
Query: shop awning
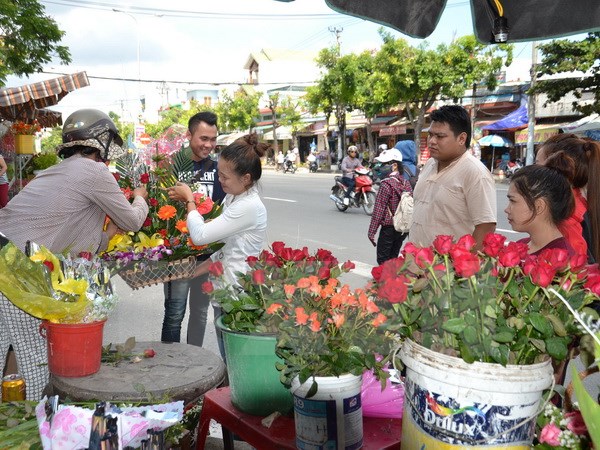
588, 123
516, 120
27, 103
540, 133
281, 132
226, 139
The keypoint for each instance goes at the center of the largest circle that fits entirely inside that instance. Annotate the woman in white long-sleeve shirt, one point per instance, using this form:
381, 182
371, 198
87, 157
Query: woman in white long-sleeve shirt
243, 224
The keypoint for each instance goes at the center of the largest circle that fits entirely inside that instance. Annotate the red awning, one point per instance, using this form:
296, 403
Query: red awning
27, 103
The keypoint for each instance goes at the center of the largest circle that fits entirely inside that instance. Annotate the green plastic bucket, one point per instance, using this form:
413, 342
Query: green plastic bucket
253, 377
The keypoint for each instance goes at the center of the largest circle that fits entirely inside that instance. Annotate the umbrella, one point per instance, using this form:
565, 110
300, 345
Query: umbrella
27, 103
525, 20
493, 140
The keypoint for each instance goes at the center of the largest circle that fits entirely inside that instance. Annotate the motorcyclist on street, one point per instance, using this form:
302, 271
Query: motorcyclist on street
290, 159
349, 163
311, 158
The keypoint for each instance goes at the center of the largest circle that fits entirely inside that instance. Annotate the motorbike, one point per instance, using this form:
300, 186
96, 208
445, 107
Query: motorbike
313, 166
289, 166
363, 194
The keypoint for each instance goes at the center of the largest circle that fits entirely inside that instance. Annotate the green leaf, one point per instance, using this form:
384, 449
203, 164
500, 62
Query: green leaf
490, 311
557, 324
557, 347
503, 336
540, 323
454, 326
470, 335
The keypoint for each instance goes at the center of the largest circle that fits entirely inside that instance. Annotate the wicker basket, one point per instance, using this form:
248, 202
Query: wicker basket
156, 272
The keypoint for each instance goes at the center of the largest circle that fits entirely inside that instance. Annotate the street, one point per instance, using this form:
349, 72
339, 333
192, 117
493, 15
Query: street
300, 213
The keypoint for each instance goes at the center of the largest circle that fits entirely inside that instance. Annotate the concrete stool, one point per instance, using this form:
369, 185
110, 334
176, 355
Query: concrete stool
178, 371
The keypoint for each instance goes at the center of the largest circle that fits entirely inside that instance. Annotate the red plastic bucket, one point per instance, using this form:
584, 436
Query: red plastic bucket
74, 350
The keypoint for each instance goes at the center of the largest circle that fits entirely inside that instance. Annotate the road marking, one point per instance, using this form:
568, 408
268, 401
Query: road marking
502, 230
281, 199
362, 269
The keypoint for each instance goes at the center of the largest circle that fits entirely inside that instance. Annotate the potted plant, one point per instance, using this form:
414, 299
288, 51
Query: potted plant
43, 160
25, 136
250, 328
475, 324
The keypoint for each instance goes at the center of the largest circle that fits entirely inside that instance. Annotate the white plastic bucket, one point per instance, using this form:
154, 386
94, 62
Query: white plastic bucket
332, 418
451, 404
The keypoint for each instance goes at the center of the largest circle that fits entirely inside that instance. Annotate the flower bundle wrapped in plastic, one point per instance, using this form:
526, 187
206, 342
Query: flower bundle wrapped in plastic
57, 288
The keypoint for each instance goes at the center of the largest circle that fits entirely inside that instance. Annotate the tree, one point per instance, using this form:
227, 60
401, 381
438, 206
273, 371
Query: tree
291, 115
336, 89
564, 56
125, 128
237, 112
416, 77
52, 140
167, 118
28, 39
370, 93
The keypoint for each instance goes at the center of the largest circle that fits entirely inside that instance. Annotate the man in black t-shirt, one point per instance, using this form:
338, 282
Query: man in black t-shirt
202, 136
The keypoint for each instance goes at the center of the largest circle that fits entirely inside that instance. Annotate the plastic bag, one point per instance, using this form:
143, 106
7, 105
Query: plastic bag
377, 403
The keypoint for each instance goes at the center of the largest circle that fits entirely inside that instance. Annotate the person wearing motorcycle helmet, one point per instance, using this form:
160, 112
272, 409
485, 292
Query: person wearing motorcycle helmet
388, 197
64, 209
349, 164
381, 149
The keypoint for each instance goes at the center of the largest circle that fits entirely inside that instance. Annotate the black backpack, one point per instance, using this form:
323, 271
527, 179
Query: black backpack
412, 178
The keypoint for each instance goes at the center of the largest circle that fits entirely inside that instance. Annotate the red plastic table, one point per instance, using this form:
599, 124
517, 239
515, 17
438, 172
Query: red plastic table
378, 434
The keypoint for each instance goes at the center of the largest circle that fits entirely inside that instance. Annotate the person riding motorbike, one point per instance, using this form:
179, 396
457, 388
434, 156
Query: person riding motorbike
290, 159
349, 163
312, 162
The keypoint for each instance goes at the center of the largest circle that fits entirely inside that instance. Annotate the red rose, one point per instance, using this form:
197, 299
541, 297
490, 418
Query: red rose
575, 422
492, 244
528, 264
323, 254
391, 267
49, 265
376, 272
556, 257
251, 260
299, 255
577, 262
277, 247
508, 257
286, 254
324, 273
424, 257
163, 233
442, 244
144, 178
149, 353
542, 274
410, 248
85, 255
348, 266
207, 287
117, 176
258, 276
204, 204
394, 290
216, 269
153, 202
467, 242
467, 266
147, 222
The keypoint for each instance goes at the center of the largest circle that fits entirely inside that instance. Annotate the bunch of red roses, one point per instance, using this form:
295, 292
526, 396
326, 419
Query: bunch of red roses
497, 305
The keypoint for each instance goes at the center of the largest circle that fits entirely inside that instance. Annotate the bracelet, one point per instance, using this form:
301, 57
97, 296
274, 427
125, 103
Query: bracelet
190, 201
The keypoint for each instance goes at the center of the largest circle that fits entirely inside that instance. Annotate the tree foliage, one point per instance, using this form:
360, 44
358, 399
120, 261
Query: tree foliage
28, 39
416, 77
51, 140
290, 113
238, 112
563, 57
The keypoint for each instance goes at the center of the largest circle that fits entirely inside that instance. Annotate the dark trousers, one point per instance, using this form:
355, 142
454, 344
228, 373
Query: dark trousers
389, 243
349, 183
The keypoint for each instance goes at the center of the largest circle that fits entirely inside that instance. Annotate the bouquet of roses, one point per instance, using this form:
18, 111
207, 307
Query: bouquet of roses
164, 234
20, 127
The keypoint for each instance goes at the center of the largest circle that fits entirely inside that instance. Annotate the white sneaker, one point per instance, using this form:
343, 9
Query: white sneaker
346, 201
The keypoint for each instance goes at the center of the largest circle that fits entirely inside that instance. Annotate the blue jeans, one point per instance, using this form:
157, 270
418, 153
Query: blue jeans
349, 183
176, 298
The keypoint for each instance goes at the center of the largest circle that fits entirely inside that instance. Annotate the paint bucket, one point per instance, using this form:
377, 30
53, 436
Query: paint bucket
253, 377
451, 404
74, 350
332, 418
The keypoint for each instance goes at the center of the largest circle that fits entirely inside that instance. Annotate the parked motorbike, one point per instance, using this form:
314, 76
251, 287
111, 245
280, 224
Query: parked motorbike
363, 194
289, 166
313, 166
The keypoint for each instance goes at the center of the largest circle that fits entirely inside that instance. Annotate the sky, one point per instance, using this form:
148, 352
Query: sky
205, 42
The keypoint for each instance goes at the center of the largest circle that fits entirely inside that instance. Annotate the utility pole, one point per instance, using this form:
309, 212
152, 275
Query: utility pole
531, 108
337, 31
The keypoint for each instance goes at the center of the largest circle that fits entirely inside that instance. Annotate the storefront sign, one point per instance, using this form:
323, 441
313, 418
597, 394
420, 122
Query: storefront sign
392, 131
539, 135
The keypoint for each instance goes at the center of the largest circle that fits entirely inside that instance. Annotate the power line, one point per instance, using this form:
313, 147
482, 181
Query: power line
188, 14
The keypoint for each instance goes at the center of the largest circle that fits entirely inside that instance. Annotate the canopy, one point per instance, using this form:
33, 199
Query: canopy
493, 140
27, 103
226, 139
281, 132
526, 20
588, 123
516, 120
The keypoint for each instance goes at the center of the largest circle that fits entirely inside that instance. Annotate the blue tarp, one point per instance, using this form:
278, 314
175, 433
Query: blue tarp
516, 120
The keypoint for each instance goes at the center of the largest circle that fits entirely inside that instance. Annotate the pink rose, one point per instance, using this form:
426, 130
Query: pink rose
207, 287
442, 244
550, 435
